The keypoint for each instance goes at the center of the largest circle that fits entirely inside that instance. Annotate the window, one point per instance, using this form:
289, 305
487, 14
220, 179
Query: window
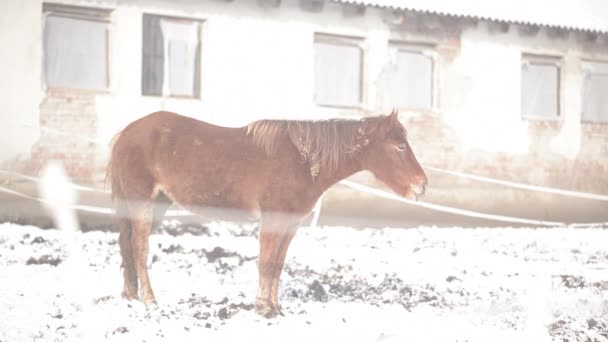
338, 71
411, 78
540, 83
170, 56
75, 45
595, 101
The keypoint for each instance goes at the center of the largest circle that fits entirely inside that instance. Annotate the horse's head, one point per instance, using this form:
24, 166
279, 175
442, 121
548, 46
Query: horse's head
388, 155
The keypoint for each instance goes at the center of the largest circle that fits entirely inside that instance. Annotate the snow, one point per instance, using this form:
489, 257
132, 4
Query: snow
339, 283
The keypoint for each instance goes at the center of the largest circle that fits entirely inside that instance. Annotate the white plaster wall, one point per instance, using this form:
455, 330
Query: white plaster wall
568, 142
481, 90
488, 116
257, 63
20, 75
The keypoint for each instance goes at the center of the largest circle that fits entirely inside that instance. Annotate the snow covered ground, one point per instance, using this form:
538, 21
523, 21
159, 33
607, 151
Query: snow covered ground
339, 284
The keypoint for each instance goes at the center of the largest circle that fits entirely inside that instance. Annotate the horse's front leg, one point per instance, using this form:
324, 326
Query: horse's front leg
275, 236
290, 232
128, 263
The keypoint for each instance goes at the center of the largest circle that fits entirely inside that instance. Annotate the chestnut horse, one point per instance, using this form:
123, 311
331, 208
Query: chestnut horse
272, 170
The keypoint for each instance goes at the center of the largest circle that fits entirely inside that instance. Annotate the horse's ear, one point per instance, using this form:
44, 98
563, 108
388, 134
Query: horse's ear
379, 127
389, 122
393, 118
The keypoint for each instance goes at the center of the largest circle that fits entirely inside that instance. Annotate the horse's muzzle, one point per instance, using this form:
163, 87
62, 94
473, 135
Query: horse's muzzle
418, 189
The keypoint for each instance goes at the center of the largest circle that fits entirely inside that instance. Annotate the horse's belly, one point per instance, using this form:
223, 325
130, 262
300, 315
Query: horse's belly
215, 205
213, 197
225, 213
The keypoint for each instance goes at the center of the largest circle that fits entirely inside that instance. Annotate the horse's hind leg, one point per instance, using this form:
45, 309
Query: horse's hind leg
141, 223
134, 236
123, 223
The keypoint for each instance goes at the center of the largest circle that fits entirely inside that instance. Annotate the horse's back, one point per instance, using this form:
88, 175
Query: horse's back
159, 129
166, 122
194, 161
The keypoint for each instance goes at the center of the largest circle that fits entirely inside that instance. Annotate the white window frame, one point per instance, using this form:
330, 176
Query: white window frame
345, 40
428, 50
590, 67
86, 13
549, 60
165, 88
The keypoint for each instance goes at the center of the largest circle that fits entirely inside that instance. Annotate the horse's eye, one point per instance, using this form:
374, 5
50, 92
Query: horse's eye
401, 147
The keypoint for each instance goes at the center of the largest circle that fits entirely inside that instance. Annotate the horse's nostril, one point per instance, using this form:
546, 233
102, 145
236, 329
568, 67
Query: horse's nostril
423, 183
418, 189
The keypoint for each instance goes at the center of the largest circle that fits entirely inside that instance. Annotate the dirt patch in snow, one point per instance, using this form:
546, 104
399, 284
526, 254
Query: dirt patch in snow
205, 280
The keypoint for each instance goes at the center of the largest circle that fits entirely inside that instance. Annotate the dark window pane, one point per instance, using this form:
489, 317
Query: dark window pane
152, 56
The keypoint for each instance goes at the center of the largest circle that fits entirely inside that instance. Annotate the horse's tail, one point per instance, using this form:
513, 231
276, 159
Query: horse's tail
110, 172
120, 221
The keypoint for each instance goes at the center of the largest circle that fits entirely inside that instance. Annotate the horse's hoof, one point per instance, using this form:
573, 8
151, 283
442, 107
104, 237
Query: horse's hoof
148, 298
150, 301
267, 312
266, 309
129, 295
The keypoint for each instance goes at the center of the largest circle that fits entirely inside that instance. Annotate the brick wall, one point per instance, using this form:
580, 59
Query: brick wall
73, 114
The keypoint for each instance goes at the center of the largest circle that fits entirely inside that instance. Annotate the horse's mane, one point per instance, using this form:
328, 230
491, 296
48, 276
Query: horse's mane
322, 144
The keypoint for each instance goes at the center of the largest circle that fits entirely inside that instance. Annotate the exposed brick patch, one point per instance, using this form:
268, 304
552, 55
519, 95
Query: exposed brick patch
73, 113
540, 166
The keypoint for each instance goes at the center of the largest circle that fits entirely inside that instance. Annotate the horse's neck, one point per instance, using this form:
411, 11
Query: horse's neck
346, 169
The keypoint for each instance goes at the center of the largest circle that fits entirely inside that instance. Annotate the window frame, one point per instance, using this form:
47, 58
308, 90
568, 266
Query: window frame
543, 59
198, 67
85, 13
425, 49
586, 68
342, 40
